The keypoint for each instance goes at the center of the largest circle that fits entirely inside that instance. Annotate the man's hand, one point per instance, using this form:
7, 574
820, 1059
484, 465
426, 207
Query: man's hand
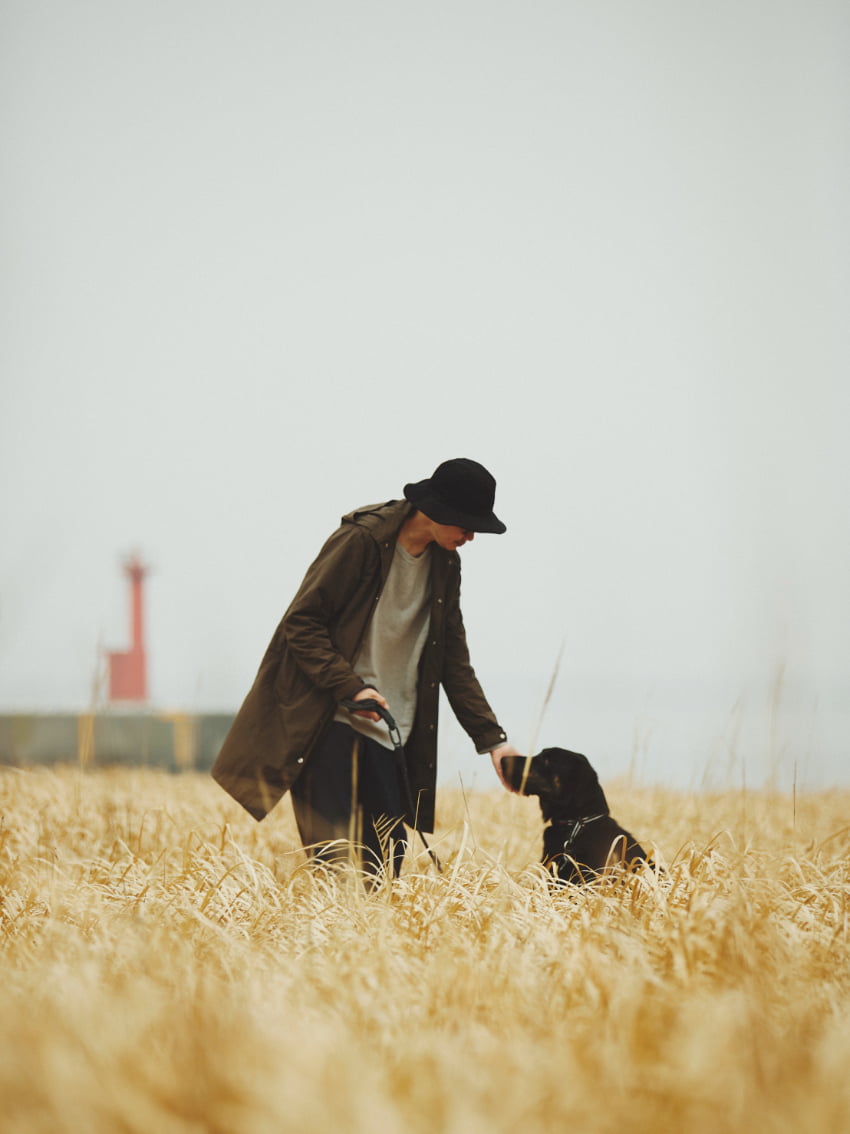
496, 755
369, 694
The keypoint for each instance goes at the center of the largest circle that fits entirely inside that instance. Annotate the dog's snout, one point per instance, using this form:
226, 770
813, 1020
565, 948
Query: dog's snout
512, 768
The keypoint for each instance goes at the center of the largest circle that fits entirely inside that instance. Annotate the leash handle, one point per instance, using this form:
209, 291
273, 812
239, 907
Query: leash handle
373, 706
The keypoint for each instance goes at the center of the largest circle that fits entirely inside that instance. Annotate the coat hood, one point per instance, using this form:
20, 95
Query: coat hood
382, 521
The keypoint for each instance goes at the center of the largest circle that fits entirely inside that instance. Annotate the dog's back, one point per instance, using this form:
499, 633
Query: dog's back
598, 846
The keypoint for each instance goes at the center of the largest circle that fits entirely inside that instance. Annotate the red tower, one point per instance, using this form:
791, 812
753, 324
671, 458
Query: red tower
128, 669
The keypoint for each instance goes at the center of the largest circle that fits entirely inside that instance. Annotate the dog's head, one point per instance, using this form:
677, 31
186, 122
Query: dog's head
565, 782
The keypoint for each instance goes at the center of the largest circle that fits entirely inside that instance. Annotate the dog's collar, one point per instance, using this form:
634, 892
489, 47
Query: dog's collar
575, 827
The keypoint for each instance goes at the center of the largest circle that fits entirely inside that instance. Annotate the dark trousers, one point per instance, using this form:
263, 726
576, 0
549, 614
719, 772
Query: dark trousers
348, 802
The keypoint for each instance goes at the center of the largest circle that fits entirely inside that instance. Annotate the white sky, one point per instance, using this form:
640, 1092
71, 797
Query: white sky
263, 262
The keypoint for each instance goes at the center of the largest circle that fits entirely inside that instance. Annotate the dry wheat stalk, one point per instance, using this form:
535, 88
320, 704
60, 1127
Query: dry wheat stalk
169, 965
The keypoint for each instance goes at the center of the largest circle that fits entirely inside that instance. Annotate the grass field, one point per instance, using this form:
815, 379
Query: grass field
168, 965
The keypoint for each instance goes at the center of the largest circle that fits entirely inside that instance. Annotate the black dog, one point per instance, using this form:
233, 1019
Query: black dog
581, 838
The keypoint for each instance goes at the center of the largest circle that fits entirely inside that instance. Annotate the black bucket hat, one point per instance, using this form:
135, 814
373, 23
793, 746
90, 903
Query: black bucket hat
460, 492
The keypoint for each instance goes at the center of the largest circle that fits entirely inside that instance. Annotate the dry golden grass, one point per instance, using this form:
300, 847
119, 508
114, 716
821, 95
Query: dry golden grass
171, 966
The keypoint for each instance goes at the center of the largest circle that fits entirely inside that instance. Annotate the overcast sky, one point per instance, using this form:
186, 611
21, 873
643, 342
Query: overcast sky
261, 263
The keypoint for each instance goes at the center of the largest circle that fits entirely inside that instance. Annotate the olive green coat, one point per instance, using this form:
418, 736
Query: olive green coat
307, 668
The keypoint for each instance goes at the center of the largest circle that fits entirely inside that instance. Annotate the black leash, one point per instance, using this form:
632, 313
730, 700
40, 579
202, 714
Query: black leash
373, 706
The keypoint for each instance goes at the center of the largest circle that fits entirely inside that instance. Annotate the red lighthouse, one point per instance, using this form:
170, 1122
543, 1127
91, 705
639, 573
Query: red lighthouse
128, 669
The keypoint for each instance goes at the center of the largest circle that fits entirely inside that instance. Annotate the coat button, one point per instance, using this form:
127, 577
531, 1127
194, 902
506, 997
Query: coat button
430, 728
439, 600
300, 759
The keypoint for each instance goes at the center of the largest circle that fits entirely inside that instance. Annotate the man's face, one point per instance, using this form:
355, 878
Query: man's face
450, 536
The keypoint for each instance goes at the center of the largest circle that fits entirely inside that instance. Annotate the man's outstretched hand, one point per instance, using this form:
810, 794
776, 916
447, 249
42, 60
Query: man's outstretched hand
496, 755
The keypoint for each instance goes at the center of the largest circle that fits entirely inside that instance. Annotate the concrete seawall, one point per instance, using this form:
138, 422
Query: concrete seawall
173, 741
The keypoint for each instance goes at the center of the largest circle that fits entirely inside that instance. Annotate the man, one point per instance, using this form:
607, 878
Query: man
376, 617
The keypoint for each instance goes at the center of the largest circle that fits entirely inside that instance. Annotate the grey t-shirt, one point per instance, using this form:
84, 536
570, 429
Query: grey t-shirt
389, 656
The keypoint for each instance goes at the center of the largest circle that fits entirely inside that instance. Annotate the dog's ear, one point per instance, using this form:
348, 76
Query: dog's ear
573, 781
